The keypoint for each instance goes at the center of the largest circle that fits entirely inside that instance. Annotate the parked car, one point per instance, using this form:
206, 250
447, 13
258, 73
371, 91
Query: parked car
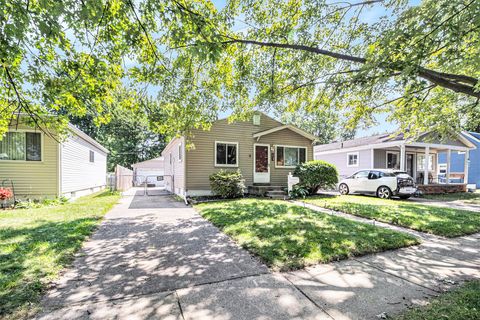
383, 183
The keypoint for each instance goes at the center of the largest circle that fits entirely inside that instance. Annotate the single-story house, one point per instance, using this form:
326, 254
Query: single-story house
149, 171
419, 157
40, 165
263, 149
457, 160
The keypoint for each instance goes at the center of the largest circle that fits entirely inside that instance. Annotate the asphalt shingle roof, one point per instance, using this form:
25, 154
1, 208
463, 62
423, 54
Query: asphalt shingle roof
380, 138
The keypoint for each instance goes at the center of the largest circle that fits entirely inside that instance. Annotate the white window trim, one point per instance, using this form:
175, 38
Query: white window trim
287, 146
226, 165
42, 147
91, 162
348, 159
386, 158
434, 161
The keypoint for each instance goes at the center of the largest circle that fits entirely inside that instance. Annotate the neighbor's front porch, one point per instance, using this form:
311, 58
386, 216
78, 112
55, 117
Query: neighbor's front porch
420, 160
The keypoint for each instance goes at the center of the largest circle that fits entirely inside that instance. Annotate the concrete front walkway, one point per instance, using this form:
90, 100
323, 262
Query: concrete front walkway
155, 258
455, 204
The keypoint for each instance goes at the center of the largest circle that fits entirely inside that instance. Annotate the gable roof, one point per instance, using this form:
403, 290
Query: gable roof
378, 139
280, 126
286, 126
152, 163
86, 137
475, 136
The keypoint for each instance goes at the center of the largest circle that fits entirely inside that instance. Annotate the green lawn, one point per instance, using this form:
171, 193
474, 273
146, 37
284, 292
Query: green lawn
287, 237
463, 197
436, 220
35, 244
460, 304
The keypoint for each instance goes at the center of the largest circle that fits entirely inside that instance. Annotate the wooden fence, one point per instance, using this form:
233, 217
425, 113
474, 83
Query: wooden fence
123, 178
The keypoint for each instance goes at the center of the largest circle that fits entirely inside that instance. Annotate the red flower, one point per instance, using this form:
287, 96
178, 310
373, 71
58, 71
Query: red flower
5, 193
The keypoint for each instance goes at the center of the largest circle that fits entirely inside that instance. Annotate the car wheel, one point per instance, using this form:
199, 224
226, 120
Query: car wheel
404, 197
384, 192
343, 188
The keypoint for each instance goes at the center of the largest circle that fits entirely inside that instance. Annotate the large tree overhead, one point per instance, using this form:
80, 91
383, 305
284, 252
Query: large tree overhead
420, 64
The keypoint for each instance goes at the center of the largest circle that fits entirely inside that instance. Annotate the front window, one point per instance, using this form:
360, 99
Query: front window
24, 146
352, 159
92, 156
290, 156
421, 162
226, 154
393, 160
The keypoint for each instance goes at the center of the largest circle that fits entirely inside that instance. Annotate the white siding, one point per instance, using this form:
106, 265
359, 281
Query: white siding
174, 167
150, 175
340, 160
78, 174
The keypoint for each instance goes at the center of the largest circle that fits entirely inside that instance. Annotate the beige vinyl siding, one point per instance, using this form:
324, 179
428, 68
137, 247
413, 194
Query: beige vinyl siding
77, 172
286, 137
201, 159
34, 179
174, 169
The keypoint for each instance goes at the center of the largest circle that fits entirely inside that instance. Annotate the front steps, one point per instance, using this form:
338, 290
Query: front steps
273, 192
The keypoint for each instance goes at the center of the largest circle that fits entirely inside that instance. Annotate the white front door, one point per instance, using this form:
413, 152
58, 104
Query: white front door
261, 163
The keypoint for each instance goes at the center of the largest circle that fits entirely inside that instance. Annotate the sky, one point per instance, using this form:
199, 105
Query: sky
369, 14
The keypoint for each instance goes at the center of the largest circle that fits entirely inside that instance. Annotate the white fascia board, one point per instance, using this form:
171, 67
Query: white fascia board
437, 146
365, 147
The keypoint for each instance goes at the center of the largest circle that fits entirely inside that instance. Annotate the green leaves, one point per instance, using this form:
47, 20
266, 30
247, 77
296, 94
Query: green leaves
70, 58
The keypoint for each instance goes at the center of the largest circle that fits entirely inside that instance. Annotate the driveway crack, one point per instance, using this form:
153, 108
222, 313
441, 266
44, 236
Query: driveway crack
179, 305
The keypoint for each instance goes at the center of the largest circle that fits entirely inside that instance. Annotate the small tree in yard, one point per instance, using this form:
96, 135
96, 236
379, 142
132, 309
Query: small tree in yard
227, 184
317, 174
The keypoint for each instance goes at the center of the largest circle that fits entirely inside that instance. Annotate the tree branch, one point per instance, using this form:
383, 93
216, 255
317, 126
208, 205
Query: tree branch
446, 80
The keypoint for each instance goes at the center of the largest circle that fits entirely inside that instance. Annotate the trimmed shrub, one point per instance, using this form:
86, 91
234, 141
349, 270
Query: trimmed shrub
227, 184
298, 192
316, 175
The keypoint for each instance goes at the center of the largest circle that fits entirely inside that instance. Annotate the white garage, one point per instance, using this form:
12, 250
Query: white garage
149, 171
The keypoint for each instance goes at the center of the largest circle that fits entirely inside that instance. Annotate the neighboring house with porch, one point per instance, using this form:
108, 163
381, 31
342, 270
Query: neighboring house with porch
419, 158
457, 160
41, 165
149, 171
263, 149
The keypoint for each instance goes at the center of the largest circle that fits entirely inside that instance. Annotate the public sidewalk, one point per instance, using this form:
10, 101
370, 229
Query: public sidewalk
156, 258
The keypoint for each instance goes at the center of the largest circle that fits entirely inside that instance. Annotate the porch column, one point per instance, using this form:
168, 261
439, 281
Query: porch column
402, 157
425, 165
449, 157
465, 170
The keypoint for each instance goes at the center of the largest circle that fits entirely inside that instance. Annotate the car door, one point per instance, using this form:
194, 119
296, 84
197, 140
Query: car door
374, 181
359, 181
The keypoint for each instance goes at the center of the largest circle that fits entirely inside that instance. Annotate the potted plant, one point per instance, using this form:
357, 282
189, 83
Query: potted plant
5, 194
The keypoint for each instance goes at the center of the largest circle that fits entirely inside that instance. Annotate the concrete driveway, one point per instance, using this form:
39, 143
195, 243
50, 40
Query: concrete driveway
155, 258
150, 253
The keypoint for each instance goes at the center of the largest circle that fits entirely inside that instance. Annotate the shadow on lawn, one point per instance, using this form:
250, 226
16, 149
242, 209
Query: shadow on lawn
441, 221
290, 237
25, 254
143, 260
